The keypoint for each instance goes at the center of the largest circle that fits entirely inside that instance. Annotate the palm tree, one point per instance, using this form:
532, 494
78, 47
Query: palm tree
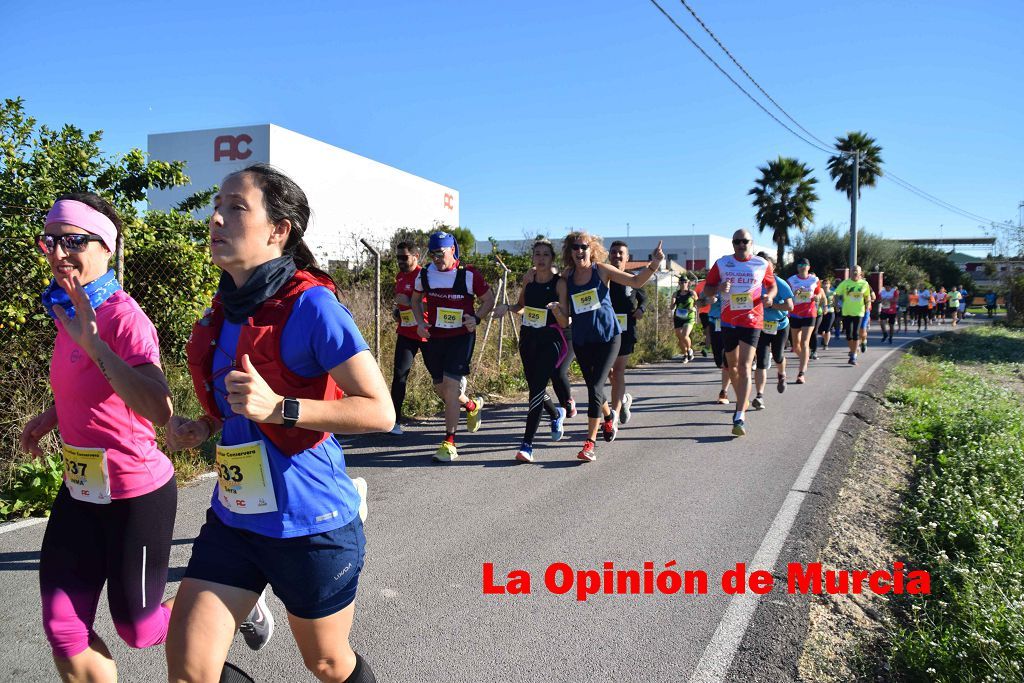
783, 196
840, 166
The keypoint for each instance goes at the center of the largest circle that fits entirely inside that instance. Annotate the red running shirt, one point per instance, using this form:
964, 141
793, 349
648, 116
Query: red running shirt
405, 283
805, 295
444, 305
741, 306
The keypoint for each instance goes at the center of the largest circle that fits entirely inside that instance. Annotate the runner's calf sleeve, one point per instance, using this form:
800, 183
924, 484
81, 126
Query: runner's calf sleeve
362, 673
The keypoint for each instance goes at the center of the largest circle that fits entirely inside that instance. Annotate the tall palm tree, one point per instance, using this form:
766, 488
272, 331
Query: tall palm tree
783, 196
840, 166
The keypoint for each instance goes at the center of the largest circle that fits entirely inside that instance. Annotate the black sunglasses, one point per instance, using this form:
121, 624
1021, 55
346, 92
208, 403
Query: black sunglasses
73, 243
404, 258
741, 241
436, 253
580, 247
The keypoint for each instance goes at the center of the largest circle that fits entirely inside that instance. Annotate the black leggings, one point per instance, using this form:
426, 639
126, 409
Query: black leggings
125, 544
814, 334
851, 326
774, 343
560, 380
828, 321
717, 348
539, 351
405, 354
596, 359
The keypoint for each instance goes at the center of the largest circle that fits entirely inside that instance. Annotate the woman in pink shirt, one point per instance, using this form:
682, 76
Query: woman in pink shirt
114, 514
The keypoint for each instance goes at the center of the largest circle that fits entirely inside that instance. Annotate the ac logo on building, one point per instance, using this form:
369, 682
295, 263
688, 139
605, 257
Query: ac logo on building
230, 147
449, 201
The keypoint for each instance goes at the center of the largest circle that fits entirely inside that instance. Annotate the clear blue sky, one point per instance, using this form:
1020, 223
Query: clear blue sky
553, 114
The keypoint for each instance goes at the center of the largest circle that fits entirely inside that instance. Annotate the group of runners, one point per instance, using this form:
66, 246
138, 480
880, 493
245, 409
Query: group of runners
279, 367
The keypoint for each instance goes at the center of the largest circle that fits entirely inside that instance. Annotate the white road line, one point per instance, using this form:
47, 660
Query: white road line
721, 650
21, 524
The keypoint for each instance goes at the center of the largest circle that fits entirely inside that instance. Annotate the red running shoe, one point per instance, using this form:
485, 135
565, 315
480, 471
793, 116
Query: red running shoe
587, 453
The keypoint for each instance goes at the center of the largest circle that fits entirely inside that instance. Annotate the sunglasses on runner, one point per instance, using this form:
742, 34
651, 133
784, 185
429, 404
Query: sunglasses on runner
741, 241
73, 243
404, 258
580, 247
435, 253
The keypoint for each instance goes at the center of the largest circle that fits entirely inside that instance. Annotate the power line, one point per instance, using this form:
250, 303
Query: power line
734, 82
828, 149
749, 77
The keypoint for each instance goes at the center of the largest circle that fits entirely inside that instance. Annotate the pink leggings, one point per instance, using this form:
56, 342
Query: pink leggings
126, 545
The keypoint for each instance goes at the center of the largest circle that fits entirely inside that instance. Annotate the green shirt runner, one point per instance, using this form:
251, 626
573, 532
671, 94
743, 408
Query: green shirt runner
855, 294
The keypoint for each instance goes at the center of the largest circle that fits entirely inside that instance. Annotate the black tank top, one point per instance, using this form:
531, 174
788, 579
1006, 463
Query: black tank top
538, 295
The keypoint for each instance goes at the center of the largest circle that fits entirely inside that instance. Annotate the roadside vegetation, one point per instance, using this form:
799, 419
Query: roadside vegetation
953, 419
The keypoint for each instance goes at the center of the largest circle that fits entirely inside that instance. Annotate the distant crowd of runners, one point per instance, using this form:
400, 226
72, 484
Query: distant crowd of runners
279, 367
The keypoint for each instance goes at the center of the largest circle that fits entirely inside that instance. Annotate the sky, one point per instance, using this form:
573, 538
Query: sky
548, 115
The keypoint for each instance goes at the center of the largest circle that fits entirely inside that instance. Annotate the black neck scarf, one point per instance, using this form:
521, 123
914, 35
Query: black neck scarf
242, 302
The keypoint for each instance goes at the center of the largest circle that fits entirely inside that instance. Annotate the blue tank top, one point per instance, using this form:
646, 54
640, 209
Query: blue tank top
593, 318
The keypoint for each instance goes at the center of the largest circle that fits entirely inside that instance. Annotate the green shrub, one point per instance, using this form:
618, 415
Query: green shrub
34, 485
963, 519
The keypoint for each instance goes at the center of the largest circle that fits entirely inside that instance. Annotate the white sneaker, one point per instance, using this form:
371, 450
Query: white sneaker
258, 627
627, 403
396, 430
361, 488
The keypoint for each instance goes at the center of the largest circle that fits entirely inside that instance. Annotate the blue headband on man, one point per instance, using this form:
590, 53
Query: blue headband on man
440, 240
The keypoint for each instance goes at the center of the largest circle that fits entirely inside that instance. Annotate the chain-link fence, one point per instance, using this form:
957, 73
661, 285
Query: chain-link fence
172, 279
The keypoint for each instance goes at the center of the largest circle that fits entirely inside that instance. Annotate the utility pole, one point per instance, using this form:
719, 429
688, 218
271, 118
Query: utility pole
627, 230
853, 211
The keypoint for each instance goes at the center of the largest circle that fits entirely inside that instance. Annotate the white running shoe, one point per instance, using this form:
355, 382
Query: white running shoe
396, 430
258, 627
361, 488
627, 404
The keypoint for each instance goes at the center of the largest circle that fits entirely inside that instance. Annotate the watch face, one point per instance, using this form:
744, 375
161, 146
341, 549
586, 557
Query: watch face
290, 409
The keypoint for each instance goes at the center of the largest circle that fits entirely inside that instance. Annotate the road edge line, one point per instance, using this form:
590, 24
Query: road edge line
719, 653
21, 524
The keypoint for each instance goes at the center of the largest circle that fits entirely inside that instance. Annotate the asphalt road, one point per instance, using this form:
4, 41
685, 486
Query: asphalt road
674, 486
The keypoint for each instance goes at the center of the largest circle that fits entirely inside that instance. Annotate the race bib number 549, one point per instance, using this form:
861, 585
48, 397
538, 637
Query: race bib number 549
586, 301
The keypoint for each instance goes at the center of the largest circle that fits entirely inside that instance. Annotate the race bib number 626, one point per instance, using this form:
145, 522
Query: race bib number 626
449, 318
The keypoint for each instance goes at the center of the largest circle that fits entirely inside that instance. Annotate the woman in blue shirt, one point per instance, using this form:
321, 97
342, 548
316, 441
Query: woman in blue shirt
279, 368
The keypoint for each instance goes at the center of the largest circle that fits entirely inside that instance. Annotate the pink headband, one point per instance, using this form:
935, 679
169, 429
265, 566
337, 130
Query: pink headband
85, 217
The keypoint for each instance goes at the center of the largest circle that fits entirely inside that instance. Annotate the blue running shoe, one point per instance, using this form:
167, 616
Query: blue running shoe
558, 424
525, 453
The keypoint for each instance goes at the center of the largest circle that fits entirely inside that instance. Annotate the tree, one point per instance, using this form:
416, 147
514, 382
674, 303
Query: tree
840, 166
167, 251
783, 196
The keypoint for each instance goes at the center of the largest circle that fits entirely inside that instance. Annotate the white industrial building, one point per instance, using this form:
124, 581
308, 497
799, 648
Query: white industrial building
351, 197
692, 252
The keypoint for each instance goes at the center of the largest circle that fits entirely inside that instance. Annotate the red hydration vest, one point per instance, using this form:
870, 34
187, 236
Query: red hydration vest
260, 337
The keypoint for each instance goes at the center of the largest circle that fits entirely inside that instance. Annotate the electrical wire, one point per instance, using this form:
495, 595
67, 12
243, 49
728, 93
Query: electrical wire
827, 148
749, 77
734, 82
